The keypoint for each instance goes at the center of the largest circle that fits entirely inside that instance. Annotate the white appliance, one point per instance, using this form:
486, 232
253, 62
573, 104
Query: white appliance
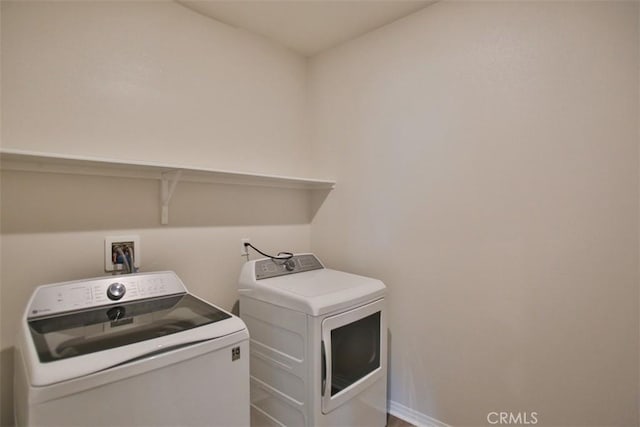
130, 350
318, 344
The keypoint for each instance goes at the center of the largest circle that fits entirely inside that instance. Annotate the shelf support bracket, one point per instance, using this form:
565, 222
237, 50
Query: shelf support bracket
168, 182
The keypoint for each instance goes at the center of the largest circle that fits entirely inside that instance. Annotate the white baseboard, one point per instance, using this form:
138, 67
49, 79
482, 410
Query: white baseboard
413, 417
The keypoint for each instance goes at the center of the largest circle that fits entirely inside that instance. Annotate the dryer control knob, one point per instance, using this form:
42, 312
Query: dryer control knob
290, 265
116, 291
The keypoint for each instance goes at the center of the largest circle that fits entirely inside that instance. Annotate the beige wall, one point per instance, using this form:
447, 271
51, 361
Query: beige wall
496, 144
487, 161
149, 81
145, 81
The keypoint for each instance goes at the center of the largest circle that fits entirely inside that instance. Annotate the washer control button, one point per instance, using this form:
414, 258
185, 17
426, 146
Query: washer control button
116, 291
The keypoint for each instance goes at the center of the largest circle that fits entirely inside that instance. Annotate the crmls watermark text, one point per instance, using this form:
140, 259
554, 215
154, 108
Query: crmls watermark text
512, 418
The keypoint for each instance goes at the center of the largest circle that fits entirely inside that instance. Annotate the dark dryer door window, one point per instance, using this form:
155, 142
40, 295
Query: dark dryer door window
355, 352
83, 332
354, 346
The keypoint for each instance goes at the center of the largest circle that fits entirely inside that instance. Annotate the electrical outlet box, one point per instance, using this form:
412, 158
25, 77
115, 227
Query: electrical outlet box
243, 249
130, 247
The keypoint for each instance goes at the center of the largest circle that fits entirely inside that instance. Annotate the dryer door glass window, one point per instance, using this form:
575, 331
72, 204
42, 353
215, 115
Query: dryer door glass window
355, 352
353, 355
104, 328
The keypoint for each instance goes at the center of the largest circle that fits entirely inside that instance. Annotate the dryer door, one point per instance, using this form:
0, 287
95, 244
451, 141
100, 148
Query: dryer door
354, 347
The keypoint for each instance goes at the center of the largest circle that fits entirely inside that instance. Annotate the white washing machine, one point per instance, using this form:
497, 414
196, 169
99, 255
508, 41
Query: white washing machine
130, 350
318, 344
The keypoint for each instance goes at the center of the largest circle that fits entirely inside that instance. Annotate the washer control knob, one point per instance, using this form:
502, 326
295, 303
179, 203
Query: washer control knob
290, 264
116, 291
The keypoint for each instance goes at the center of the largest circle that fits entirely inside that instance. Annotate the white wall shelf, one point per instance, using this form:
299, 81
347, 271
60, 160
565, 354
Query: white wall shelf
167, 174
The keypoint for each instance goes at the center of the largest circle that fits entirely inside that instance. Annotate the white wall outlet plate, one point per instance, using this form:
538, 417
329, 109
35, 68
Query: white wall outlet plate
109, 241
243, 249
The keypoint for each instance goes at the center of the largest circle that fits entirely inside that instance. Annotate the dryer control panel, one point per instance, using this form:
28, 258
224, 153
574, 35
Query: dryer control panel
266, 268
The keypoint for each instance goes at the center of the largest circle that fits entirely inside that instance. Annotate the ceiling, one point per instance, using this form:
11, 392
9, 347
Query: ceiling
307, 26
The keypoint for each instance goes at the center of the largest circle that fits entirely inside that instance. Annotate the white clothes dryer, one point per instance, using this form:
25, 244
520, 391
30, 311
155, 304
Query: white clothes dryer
129, 350
318, 344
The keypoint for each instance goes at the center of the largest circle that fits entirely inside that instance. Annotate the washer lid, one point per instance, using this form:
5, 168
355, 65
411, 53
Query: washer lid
79, 333
186, 323
315, 292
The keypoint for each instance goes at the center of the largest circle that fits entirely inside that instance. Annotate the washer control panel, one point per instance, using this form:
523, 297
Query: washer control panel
82, 294
266, 268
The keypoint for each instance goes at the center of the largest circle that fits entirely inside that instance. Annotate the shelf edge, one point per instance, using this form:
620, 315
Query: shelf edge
11, 159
